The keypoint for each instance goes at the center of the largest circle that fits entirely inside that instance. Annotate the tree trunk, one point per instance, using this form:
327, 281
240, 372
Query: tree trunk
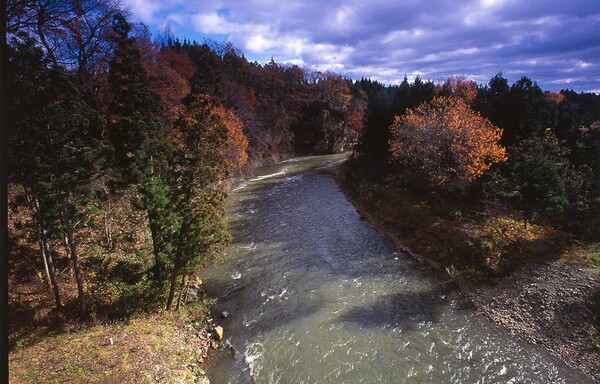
108, 228
68, 251
45, 262
46, 254
108, 232
172, 288
182, 288
43, 245
68, 228
179, 265
40, 31
159, 266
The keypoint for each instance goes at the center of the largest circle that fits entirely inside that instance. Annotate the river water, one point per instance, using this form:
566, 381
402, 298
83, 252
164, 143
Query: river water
317, 295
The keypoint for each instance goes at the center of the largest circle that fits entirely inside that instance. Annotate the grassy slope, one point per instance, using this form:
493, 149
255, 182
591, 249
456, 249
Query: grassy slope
152, 348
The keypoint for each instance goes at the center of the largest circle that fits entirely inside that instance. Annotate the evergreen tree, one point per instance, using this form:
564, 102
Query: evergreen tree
53, 152
137, 135
211, 142
538, 184
135, 132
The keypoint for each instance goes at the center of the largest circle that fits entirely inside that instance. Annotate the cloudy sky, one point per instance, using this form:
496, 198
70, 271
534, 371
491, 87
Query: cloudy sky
555, 42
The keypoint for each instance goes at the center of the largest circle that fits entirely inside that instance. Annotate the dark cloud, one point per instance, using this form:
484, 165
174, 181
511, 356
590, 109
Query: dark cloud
554, 42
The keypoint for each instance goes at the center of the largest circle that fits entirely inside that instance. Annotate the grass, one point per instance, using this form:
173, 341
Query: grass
587, 255
156, 347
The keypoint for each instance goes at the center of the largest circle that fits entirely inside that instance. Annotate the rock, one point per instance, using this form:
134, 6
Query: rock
203, 380
224, 314
219, 331
192, 294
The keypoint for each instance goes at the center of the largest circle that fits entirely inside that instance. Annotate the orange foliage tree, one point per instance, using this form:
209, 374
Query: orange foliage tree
237, 144
446, 140
342, 114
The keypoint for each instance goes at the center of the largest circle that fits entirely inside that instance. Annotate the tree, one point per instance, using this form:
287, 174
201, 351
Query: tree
373, 146
461, 87
53, 153
209, 141
73, 34
333, 118
537, 184
138, 137
446, 140
26, 70
168, 70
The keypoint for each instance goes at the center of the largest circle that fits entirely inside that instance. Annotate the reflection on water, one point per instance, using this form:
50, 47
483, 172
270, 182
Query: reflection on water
317, 295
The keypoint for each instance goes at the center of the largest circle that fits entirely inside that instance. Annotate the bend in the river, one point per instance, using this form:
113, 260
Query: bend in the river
317, 295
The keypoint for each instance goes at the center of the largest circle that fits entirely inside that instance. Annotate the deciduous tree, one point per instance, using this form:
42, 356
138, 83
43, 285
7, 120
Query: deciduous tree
446, 140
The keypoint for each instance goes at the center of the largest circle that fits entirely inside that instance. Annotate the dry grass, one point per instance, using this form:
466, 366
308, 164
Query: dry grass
587, 255
155, 348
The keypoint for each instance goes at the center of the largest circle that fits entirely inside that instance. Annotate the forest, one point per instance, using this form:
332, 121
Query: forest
113, 134
122, 147
483, 153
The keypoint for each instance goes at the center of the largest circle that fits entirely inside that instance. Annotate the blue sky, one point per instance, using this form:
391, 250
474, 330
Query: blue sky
554, 42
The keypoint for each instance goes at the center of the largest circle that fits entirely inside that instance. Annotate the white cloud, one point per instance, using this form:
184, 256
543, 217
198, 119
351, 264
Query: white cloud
214, 23
259, 44
143, 10
386, 39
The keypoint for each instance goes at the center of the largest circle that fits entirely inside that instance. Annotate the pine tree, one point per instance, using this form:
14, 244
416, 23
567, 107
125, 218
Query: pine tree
538, 184
135, 131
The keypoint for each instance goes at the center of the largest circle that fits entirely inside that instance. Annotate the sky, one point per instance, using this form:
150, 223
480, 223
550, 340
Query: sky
554, 42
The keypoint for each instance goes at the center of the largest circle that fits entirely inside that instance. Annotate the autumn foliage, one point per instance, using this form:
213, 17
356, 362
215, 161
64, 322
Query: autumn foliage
446, 140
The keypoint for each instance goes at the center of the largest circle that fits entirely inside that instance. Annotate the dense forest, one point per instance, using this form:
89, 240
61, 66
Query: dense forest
120, 146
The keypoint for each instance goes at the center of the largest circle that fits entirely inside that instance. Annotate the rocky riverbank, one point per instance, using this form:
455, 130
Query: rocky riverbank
554, 304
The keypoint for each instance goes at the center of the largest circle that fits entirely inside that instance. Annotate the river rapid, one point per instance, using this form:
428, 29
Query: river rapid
315, 294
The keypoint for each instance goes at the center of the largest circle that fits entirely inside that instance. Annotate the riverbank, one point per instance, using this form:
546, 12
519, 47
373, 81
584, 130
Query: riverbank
537, 283
152, 346
126, 338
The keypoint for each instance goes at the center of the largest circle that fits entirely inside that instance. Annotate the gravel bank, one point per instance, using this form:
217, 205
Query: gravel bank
554, 304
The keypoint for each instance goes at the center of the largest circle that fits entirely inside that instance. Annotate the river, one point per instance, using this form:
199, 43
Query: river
317, 295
